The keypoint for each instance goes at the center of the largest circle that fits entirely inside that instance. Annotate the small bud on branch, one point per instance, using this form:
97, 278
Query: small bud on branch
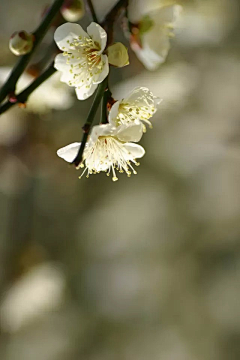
21, 42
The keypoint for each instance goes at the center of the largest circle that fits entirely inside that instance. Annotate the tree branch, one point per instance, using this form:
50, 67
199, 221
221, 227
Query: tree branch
92, 10
88, 124
23, 96
110, 18
22, 63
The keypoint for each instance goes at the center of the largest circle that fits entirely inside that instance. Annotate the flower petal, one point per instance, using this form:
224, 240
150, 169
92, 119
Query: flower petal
101, 130
150, 59
113, 113
143, 97
98, 34
99, 77
135, 151
69, 152
66, 33
85, 91
60, 63
130, 132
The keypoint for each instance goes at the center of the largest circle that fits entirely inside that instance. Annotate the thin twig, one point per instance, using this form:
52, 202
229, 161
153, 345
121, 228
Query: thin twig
92, 10
104, 113
88, 124
10, 84
23, 96
110, 18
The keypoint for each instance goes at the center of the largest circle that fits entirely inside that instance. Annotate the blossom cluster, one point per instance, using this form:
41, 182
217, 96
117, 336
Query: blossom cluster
112, 147
84, 63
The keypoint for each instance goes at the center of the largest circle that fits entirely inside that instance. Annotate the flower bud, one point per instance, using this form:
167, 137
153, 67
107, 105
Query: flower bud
73, 10
118, 55
21, 43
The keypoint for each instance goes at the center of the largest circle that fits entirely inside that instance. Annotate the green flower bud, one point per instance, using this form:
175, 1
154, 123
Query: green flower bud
118, 55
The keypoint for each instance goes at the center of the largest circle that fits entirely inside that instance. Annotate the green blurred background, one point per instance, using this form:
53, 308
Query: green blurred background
147, 267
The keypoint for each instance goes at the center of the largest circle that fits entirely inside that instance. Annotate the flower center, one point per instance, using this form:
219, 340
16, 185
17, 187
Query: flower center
127, 113
108, 154
84, 58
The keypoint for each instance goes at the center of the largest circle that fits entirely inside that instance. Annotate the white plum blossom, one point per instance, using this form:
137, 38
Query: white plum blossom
139, 106
82, 63
108, 149
151, 33
52, 94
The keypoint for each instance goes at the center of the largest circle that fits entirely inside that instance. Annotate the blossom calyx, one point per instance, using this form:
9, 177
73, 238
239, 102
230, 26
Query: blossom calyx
21, 42
118, 55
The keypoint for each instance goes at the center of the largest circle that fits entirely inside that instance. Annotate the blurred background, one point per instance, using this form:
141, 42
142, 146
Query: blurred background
147, 267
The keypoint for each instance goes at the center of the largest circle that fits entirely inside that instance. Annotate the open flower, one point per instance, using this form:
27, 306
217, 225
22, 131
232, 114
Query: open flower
150, 35
139, 106
108, 149
82, 63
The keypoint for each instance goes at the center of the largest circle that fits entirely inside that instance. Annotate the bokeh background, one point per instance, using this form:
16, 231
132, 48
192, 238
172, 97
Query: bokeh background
147, 267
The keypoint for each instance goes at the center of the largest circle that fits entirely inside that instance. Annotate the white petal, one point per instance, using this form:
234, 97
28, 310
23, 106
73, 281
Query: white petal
157, 101
135, 151
66, 33
150, 59
130, 132
60, 63
66, 77
142, 95
98, 34
98, 78
84, 92
101, 130
113, 113
69, 152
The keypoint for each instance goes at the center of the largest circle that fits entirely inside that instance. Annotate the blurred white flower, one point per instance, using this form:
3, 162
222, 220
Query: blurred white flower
82, 62
206, 22
150, 34
108, 149
13, 127
14, 176
139, 105
38, 291
52, 94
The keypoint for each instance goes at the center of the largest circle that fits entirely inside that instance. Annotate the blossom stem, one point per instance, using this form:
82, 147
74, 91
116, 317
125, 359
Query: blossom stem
92, 10
88, 124
109, 20
10, 84
23, 96
107, 94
